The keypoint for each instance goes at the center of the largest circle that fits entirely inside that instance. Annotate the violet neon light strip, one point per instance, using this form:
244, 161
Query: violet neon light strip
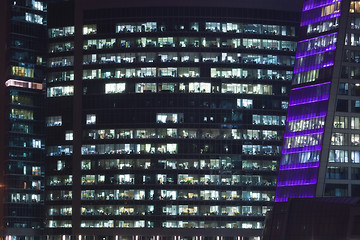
302, 149
319, 19
297, 182
304, 133
314, 38
325, 98
316, 51
314, 67
307, 116
308, 5
299, 166
314, 85
305, 187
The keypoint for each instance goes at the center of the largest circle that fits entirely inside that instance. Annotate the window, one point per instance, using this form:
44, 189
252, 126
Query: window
21, 99
337, 172
22, 71
284, 105
355, 157
61, 32
355, 123
145, 87
340, 122
344, 88
33, 18
90, 119
355, 139
339, 139
61, 76
199, 87
114, 88
53, 121
323, 26
38, 5
342, 105
166, 87
69, 135
61, 61
194, 26
338, 156
303, 141
60, 91
169, 117
212, 27
22, 114
336, 190
355, 89
355, 23
36, 171
355, 7
355, 173
89, 29
59, 150
244, 103
136, 27
167, 72
166, 42
60, 165
85, 165
355, 106
36, 143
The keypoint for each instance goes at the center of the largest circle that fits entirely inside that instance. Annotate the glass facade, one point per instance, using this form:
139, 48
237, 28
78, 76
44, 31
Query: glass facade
181, 122
308, 106
322, 116
24, 148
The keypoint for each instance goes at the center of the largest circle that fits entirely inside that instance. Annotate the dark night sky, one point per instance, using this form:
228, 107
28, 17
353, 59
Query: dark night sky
292, 5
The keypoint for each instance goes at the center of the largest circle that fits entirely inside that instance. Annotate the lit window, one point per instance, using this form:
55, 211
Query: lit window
53, 121
89, 29
36, 171
284, 105
338, 156
114, 88
245, 103
33, 18
69, 135
60, 165
339, 139
199, 87
169, 117
36, 143
90, 119
22, 71
60, 91
38, 5
145, 87
22, 114
61, 32
340, 122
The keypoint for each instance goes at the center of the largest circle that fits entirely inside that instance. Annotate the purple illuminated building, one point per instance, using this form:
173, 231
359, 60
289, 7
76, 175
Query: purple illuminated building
320, 155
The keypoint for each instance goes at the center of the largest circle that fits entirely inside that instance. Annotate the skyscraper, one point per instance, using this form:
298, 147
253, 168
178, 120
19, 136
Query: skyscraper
321, 147
22, 136
165, 120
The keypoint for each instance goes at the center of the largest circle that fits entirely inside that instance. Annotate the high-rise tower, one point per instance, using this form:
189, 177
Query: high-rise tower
165, 120
320, 155
22, 150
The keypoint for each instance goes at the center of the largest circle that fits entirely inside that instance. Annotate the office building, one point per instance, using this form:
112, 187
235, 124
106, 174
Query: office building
22, 151
321, 147
165, 121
